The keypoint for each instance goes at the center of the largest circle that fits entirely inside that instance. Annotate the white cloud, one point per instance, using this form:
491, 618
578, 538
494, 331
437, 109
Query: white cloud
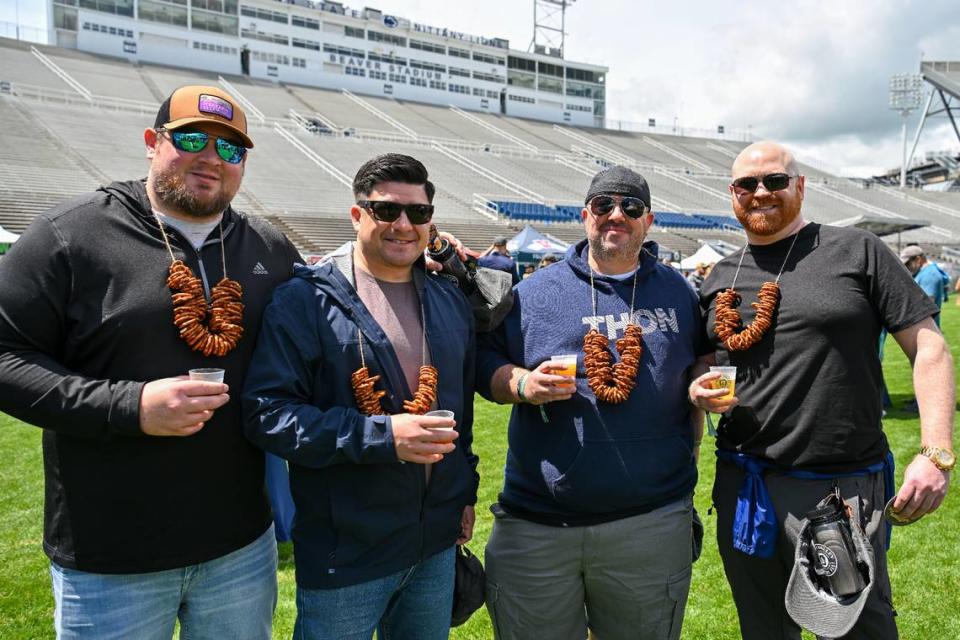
811, 72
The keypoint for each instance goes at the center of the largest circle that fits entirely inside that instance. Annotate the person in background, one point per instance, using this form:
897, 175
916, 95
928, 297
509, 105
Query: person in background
547, 260
697, 275
498, 257
931, 278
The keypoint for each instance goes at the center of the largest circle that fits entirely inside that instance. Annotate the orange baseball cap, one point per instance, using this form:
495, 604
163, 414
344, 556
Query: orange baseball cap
197, 103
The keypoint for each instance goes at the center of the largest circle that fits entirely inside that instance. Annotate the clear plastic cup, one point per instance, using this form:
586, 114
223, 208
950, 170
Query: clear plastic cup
567, 365
727, 380
440, 413
207, 374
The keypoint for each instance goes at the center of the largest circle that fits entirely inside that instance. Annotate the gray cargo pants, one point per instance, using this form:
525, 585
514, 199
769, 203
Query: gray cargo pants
625, 579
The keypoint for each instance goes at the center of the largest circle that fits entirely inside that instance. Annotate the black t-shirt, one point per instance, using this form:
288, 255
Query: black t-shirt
810, 389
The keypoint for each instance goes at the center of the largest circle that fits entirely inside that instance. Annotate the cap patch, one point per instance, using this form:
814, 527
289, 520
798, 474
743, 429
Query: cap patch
215, 105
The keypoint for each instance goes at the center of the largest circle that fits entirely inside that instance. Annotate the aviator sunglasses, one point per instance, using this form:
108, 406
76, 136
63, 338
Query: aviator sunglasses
196, 141
387, 211
604, 205
771, 182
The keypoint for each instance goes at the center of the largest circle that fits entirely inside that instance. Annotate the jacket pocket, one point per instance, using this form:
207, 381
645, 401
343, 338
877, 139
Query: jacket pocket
372, 508
612, 475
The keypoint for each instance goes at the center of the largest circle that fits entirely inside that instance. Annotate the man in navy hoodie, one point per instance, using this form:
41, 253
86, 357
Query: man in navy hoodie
594, 524
382, 494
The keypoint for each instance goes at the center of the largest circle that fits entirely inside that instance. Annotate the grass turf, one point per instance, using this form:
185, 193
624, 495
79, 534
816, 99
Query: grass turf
923, 558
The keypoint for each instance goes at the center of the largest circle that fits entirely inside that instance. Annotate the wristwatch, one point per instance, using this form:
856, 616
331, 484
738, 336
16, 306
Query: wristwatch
943, 458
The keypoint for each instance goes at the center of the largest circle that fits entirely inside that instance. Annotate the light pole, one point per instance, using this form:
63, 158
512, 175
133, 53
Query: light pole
905, 96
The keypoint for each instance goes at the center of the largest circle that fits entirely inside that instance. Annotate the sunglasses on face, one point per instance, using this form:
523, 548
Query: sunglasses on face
196, 141
604, 205
387, 211
771, 182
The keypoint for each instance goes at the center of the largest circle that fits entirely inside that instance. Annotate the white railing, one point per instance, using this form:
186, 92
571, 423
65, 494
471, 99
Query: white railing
730, 153
393, 122
657, 202
490, 175
242, 99
595, 148
494, 129
919, 201
570, 163
489, 208
315, 157
67, 97
860, 204
60, 73
681, 178
677, 154
677, 130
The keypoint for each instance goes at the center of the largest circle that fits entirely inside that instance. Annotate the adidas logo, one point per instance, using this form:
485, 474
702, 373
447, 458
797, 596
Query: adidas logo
260, 270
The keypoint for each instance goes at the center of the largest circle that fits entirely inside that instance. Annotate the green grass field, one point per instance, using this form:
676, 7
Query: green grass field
924, 557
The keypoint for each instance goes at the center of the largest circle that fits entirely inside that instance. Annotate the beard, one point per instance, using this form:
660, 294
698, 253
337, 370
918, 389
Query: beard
610, 252
767, 224
172, 190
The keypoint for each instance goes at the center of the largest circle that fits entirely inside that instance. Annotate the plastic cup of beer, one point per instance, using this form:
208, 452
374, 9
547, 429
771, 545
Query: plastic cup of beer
566, 365
207, 374
727, 380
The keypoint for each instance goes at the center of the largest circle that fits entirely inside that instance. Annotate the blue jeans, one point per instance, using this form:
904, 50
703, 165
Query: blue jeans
232, 596
413, 604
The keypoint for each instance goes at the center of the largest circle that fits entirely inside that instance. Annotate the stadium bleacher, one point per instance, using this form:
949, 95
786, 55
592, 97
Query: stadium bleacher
493, 173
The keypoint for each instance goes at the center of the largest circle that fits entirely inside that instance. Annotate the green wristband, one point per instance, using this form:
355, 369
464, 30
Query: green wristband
521, 383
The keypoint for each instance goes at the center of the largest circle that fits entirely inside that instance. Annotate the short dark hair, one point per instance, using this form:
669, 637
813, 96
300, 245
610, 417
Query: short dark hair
391, 167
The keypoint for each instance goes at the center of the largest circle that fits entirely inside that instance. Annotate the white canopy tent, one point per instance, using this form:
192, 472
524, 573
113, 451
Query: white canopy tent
704, 255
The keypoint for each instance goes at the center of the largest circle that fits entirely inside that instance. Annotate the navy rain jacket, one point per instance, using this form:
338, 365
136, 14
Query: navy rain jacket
361, 513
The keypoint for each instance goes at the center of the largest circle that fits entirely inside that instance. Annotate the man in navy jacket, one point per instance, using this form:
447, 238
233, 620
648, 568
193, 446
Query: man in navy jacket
383, 495
595, 519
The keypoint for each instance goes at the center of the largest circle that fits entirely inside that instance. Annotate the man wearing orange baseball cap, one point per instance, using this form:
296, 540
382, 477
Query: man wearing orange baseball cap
155, 508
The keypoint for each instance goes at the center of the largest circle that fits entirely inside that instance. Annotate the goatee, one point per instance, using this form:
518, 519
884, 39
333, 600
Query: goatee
767, 224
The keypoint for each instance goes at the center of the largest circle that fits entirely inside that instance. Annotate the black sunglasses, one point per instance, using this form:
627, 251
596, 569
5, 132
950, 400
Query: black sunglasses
771, 182
387, 211
604, 205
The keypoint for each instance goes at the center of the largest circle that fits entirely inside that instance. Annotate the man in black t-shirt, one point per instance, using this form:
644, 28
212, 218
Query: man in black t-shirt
808, 388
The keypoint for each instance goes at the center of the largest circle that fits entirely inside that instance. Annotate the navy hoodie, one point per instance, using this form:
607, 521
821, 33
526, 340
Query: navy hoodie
594, 462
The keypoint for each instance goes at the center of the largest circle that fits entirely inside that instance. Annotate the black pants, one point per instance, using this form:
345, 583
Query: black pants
759, 585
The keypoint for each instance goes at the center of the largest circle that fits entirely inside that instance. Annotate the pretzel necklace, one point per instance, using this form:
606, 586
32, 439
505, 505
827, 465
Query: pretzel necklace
213, 328
728, 325
368, 398
612, 383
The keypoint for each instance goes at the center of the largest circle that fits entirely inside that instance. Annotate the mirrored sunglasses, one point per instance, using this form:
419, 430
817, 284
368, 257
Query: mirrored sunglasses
196, 141
604, 205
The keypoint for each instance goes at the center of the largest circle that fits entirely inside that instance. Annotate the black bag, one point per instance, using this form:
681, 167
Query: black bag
469, 586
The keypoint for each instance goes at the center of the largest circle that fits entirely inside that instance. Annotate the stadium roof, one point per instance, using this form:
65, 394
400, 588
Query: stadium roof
943, 75
881, 226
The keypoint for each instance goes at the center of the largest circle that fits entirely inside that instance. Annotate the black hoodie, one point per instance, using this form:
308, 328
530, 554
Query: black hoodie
85, 320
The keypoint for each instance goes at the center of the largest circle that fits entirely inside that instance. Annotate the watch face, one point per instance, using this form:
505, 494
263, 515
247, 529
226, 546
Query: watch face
946, 459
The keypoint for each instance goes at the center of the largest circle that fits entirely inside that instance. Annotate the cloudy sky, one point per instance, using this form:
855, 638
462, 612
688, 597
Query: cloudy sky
813, 73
